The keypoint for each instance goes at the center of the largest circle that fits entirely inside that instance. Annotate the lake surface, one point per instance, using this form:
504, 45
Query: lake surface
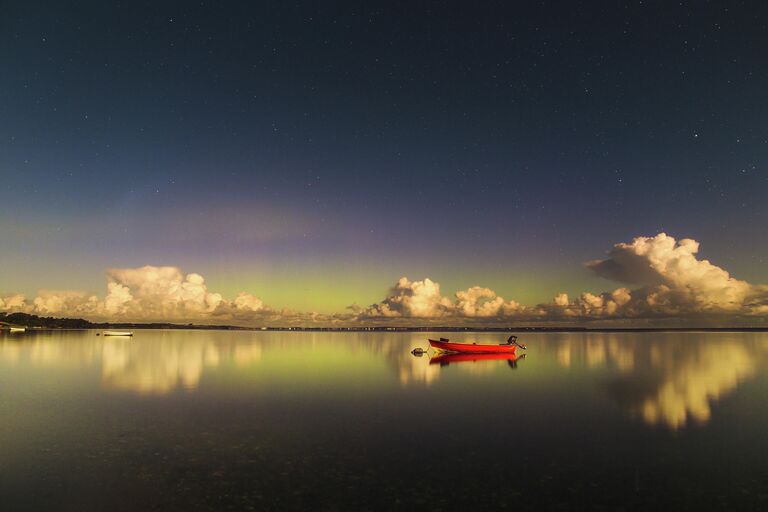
223, 420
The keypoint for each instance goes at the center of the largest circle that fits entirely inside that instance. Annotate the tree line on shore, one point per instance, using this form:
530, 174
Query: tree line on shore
49, 322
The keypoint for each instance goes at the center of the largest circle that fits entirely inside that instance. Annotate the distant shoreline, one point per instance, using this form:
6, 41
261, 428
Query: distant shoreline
435, 329
36, 323
174, 327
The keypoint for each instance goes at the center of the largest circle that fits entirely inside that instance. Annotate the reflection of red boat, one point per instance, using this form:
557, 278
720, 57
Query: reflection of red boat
466, 348
445, 359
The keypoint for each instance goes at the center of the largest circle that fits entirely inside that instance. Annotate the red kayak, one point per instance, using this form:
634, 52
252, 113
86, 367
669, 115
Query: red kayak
467, 348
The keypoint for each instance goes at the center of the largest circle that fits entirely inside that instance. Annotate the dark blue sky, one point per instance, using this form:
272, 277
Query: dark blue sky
499, 141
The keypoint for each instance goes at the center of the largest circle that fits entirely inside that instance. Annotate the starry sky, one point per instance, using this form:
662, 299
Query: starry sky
313, 153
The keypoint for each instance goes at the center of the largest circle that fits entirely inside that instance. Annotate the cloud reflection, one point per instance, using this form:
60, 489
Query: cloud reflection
409, 369
672, 380
164, 363
666, 379
690, 385
168, 363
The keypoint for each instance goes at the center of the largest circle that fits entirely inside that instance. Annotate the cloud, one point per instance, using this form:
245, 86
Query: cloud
661, 279
673, 278
146, 293
247, 302
417, 299
12, 302
483, 302
158, 292
669, 281
73, 303
422, 299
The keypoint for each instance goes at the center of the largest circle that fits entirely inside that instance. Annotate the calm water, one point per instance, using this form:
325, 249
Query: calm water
208, 420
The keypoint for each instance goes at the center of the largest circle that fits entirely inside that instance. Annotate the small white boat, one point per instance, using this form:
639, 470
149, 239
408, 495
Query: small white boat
18, 329
118, 333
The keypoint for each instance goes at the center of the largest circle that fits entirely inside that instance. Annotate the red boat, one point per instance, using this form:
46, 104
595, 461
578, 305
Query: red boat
473, 348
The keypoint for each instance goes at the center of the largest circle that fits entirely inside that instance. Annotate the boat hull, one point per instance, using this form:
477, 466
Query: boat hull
117, 333
466, 348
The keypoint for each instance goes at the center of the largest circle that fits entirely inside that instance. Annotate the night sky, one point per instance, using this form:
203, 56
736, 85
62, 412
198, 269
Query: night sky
313, 153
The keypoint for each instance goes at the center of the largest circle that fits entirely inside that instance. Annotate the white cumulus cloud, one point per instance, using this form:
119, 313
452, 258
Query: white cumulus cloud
158, 292
483, 302
419, 299
664, 278
65, 303
14, 302
674, 281
660, 278
146, 293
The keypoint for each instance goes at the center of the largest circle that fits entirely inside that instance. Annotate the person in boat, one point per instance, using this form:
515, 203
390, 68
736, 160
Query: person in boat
512, 340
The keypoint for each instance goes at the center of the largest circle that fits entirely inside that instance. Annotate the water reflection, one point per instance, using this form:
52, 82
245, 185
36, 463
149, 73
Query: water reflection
669, 380
260, 416
448, 359
409, 369
157, 365
49, 350
425, 369
166, 364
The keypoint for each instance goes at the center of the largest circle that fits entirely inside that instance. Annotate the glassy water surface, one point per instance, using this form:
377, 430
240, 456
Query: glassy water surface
223, 420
